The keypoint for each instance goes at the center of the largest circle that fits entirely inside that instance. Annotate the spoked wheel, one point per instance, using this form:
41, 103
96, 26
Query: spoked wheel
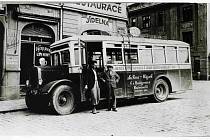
62, 100
161, 90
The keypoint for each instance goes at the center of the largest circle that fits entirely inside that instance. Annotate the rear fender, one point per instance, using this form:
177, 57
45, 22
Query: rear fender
48, 88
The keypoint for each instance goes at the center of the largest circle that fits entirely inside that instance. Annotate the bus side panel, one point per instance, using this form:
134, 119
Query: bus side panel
142, 82
175, 79
186, 79
120, 91
77, 86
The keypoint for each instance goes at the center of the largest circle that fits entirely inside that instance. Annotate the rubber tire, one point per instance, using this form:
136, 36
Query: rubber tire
67, 108
36, 103
157, 88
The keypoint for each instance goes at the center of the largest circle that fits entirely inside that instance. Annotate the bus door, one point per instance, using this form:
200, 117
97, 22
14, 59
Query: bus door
94, 52
83, 59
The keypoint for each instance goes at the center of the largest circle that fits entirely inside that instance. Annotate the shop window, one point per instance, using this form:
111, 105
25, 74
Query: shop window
114, 55
187, 13
146, 21
131, 56
65, 57
133, 22
95, 32
160, 18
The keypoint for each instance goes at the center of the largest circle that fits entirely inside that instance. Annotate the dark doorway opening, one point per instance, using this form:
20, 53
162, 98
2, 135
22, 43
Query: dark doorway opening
1, 51
188, 37
26, 60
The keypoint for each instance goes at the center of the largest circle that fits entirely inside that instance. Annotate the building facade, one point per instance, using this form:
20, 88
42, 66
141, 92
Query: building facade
178, 21
28, 30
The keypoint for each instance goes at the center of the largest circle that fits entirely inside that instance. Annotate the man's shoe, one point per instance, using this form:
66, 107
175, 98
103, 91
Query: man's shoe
114, 109
94, 111
109, 109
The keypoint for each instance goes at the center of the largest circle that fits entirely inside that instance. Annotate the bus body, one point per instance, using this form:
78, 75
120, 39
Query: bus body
147, 67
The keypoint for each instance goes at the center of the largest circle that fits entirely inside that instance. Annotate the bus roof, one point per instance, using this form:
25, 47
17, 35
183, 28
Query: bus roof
99, 38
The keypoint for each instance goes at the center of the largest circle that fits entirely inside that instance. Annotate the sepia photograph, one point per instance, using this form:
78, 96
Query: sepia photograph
102, 68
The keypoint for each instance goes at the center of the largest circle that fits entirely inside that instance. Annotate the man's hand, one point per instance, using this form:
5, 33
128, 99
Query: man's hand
86, 87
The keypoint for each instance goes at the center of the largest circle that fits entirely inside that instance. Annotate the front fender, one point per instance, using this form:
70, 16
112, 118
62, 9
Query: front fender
46, 89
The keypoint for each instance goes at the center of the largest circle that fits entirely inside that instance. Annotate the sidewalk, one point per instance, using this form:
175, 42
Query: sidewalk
12, 105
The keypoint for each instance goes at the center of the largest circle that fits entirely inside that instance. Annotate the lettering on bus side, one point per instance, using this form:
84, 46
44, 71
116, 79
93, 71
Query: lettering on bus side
140, 81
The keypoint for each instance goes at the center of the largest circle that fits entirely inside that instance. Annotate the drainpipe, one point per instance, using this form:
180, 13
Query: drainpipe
61, 21
208, 30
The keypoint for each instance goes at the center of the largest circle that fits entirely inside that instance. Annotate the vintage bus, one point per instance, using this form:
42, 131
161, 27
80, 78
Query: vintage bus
147, 67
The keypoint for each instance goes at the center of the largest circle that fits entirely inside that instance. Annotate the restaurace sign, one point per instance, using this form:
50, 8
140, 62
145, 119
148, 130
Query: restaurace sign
103, 6
115, 10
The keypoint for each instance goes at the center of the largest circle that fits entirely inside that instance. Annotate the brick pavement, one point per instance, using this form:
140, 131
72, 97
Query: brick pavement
185, 114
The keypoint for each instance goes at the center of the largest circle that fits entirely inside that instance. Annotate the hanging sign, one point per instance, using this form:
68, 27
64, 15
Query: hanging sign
42, 51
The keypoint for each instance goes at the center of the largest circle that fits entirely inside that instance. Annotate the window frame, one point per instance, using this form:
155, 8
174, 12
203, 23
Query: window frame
187, 15
146, 21
154, 47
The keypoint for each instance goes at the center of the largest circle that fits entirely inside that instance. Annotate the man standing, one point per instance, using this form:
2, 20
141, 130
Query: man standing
91, 83
111, 78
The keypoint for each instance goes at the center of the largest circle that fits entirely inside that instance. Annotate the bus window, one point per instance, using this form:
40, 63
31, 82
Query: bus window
83, 58
131, 56
183, 55
114, 55
159, 54
65, 57
55, 59
76, 56
171, 54
145, 55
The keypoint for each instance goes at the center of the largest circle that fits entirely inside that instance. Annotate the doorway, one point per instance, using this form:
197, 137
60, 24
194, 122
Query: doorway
188, 37
26, 60
35, 41
1, 51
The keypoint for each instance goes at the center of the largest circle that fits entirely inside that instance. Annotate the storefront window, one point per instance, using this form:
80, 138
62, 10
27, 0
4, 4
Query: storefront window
95, 32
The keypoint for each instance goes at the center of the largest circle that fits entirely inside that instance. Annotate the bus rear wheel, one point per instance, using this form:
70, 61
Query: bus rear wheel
161, 90
62, 100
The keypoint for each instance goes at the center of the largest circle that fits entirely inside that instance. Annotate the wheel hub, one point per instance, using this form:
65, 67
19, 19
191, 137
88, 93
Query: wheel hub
62, 100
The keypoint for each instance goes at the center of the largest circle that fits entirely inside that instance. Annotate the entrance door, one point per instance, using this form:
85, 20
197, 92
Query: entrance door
1, 51
26, 62
94, 52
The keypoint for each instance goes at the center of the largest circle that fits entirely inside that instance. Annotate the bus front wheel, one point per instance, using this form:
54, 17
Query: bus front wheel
161, 90
62, 100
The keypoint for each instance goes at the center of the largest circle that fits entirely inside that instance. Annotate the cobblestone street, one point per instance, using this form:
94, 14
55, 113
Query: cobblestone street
184, 114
